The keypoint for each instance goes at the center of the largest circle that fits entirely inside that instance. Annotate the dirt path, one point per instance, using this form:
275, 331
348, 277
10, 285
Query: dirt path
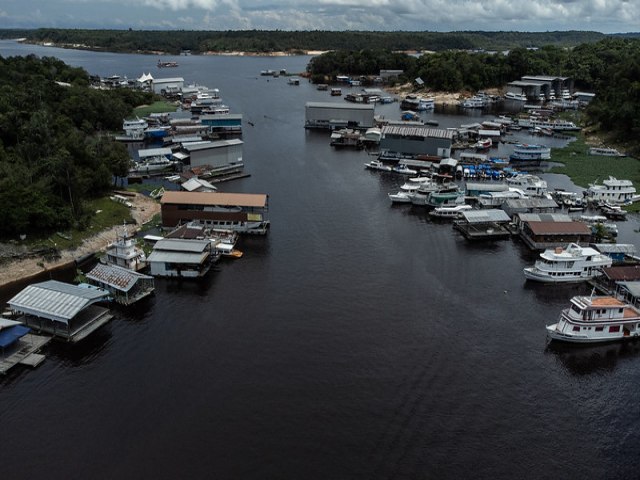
143, 210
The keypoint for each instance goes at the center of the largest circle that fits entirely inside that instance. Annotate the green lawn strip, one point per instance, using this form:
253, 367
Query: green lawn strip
156, 107
584, 169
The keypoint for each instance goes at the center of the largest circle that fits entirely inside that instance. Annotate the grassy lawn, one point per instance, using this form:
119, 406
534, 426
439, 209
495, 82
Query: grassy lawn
156, 107
584, 169
108, 213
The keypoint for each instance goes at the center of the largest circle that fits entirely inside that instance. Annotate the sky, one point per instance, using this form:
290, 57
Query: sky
606, 16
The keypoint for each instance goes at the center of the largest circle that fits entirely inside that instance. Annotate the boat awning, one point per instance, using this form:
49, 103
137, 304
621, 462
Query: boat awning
11, 334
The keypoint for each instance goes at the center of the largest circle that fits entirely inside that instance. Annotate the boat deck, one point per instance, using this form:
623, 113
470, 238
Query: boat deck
25, 353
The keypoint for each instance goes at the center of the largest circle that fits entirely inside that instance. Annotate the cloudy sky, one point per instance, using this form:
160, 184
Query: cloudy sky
607, 16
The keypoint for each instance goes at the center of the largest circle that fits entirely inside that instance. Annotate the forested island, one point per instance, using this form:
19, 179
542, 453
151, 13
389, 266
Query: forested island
295, 42
55, 155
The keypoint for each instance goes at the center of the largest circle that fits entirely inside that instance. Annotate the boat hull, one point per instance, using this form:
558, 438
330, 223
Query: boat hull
535, 275
555, 335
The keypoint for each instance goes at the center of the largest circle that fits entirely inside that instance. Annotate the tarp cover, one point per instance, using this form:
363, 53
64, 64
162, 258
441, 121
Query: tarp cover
11, 334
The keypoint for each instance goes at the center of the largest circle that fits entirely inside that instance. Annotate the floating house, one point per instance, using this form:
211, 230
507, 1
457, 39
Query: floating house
223, 124
240, 212
540, 231
174, 257
218, 154
619, 252
62, 310
126, 286
486, 224
412, 141
330, 115
167, 86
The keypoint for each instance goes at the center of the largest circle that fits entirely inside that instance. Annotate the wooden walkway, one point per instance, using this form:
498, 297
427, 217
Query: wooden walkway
25, 353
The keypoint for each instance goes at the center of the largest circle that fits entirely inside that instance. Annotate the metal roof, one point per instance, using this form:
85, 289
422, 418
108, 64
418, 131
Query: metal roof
257, 200
531, 202
56, 300
221, 116
340, 106
486, 216
153, 152
417, 131
559, 228
117, 277
544, 217
168, 80
195, 146
181, 245
622, 272
176, 257
196, 183
628, 248
632, 287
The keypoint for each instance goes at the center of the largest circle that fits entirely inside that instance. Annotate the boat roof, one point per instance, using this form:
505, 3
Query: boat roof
56, 300
256, 200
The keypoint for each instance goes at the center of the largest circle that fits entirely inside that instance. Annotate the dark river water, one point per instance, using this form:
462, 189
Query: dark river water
356, 341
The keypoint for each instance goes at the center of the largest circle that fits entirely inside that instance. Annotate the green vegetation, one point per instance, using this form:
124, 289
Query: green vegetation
54, 159
264, 41
161, 106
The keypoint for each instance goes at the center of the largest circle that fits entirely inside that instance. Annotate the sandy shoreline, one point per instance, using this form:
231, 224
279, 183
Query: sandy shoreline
143, 210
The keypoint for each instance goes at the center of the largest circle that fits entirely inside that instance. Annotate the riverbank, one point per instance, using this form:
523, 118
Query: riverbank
143, 210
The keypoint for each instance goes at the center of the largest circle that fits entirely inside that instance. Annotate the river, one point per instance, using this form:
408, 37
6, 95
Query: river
356, 341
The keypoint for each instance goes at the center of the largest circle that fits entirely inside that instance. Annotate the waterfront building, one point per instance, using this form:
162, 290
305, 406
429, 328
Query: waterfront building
330, 115
185, 258
540, 231
218, 154
413, 141
62, 310
167, 85
126, 286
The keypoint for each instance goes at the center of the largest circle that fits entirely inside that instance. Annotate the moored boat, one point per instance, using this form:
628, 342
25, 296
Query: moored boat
377, 165
612, 191
450, 212
568, 265
593, 319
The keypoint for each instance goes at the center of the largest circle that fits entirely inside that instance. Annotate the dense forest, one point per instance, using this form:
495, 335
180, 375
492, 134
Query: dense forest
53, 157
263, 41
610, 68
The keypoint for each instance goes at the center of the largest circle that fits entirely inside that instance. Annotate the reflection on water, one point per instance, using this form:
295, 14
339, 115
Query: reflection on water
592, 359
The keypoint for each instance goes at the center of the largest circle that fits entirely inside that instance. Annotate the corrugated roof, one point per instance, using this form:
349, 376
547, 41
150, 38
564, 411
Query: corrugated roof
195, 146
153, 152
168, 80
632, 287
622, 272
531, 202
486, 216
256, 200
181, 245
176, 257
117, 277
627, 248
568, 228
56, 300
417, 131
545, 217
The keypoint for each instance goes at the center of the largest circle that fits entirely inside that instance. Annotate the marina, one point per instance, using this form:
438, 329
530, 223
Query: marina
310, 352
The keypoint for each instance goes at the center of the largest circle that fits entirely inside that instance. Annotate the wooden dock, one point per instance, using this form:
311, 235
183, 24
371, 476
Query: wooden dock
25, 353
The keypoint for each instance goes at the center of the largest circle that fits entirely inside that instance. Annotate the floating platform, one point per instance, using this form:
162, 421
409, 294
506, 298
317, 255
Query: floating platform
24, 353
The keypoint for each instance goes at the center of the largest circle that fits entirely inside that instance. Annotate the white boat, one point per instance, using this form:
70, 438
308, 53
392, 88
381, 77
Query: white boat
448, 196
531, 185
404, 170
134, 129
125, 253
612, 191
400, 197
606, 152
526, 154
453, 212
421, 195
519, 97
483, 144
496, 199
417, 103
152, 165
568, 265
542, 123
377, 165
599, 223
593, 319
475, 102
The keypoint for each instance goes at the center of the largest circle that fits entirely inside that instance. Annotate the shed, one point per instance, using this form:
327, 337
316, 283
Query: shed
61, 309
617, 251
539, 235
186, 258
398, 140
221, 153
529, 205
167, 85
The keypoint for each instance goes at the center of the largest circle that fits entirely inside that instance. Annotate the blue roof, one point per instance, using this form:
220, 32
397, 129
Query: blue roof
12, 334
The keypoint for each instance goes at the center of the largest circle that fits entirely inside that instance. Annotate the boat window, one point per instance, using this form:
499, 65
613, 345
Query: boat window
576, 309
614, 328
620, 310
576, 329
599, 329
